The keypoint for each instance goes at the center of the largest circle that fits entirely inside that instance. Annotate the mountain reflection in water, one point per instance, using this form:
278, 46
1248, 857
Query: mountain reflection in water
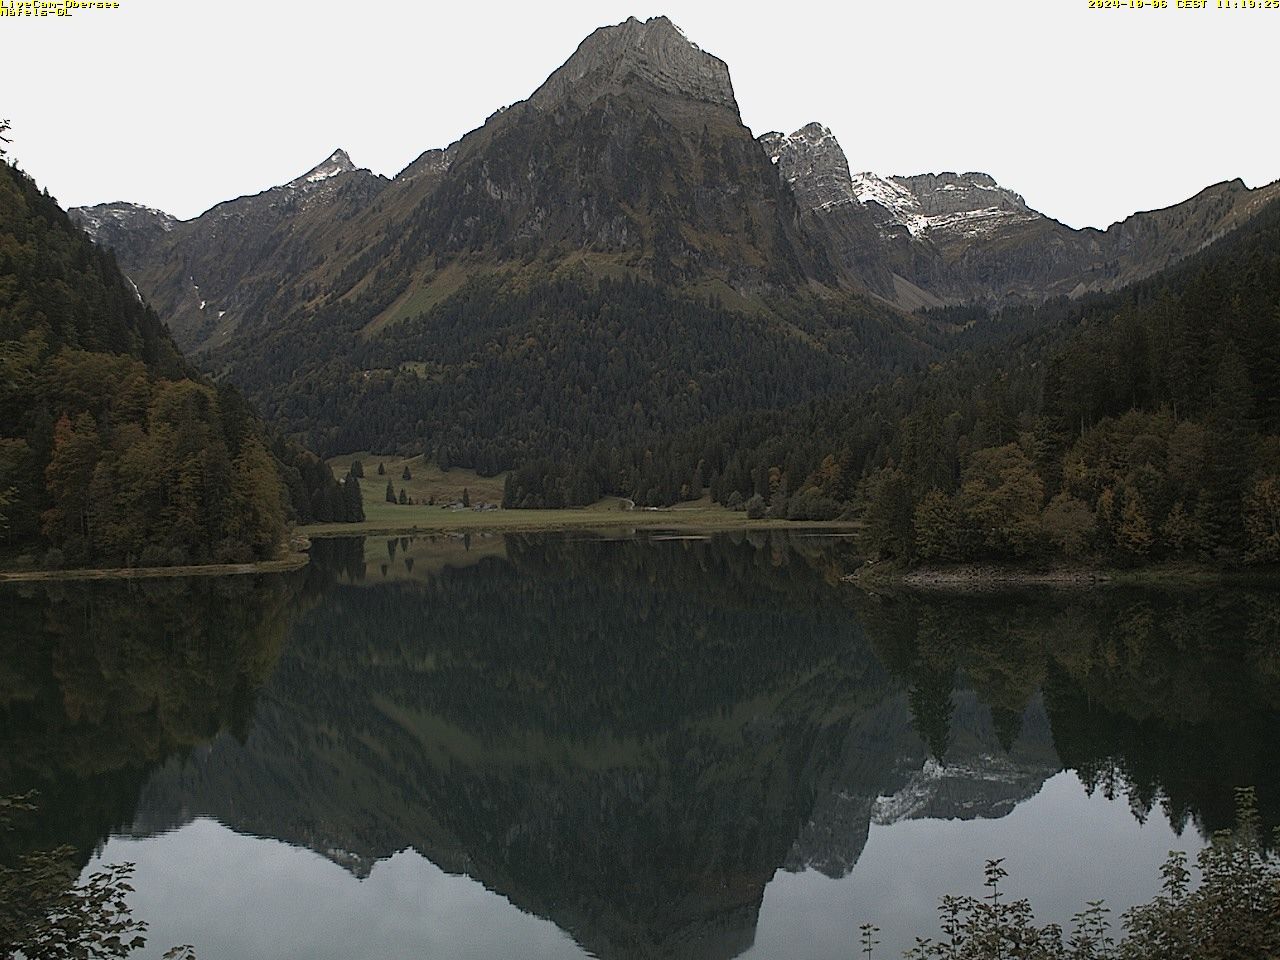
630, 738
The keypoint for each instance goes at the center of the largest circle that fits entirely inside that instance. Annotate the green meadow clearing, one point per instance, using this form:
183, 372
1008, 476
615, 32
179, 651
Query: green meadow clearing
427, 482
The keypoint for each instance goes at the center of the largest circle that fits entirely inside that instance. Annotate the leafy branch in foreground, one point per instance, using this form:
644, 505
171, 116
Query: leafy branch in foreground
46, 914
1232, 914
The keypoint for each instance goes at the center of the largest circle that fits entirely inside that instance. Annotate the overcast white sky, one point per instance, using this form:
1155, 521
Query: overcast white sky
1091, 115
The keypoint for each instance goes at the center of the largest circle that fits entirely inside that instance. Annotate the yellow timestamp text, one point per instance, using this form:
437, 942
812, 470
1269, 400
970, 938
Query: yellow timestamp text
1184, 4
52, 8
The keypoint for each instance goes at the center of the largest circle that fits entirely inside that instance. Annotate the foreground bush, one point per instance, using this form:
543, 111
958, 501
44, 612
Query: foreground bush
1233, 913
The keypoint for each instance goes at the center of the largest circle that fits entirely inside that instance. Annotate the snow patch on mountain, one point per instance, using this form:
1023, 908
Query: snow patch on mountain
901, 205
969, 204
336, 163
122, 214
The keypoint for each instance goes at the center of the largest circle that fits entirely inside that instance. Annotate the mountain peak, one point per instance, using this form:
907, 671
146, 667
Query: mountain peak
336, 163
654, 51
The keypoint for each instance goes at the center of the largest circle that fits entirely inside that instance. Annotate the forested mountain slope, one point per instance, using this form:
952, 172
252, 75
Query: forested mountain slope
113, 450
611, 260
1139, 425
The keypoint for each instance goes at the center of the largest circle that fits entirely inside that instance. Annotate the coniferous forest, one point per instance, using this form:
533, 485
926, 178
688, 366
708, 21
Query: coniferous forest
113, 449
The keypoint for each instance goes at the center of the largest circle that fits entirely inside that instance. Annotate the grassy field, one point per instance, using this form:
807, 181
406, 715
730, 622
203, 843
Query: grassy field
428, 481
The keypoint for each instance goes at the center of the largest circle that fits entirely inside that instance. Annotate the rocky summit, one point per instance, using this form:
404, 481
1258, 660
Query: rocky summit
337, 163
655, 53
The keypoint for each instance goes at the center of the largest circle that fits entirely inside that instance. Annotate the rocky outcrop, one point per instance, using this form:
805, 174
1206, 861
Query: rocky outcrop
128, 228
944, 195
430, 163
813, 165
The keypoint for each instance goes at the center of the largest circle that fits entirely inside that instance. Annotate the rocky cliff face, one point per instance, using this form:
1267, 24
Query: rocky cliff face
337, 163
812, 164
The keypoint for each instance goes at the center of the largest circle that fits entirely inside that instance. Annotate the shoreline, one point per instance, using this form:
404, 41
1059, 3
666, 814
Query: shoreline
554, 521
460, 522
295, 561
990, 578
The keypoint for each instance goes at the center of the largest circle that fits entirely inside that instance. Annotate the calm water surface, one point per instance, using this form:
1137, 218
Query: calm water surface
567, 746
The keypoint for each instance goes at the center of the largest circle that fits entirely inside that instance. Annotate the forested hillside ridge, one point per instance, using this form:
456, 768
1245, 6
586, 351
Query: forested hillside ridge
114, 451
1147, 427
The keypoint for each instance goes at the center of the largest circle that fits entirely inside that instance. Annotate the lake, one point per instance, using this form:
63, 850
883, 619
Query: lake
619, 746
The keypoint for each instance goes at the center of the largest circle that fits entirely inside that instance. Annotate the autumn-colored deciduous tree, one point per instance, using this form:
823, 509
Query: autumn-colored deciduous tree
1262, 520
1069, 525
1000, 500
936, 522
